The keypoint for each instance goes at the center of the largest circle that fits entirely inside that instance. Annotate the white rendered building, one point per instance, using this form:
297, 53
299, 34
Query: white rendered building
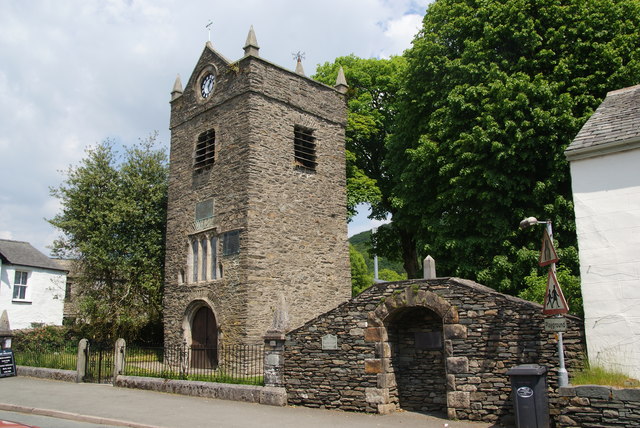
32, 286
605, 174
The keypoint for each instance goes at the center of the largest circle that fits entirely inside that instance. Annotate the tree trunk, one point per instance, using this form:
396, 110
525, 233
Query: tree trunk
409, 254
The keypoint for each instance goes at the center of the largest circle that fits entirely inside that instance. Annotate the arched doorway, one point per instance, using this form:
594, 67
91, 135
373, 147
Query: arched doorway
417, 359
204, 339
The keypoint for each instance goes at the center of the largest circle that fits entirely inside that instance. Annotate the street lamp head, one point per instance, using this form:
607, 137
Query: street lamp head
527, 222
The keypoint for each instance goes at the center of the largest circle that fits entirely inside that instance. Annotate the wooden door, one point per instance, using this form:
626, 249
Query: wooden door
204, 338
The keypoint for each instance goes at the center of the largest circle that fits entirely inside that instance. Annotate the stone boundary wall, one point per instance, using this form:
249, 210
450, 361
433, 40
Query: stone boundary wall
598, 406
272, 396
484, 334
46, 373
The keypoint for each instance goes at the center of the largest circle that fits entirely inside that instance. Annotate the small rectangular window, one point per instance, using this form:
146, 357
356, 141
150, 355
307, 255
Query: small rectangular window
204, 209
20, 285
205, 149
231, 243
304, 148
203, 243
204, 215
194, 253
214, 257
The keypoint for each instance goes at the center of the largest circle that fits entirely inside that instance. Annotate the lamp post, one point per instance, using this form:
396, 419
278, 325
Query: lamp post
563, 376
375, 259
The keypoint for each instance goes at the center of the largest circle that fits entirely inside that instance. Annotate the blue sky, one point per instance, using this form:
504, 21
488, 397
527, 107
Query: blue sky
76, 72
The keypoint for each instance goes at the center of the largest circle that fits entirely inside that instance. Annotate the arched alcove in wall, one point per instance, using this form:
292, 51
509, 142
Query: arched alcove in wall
414, 335
201, 334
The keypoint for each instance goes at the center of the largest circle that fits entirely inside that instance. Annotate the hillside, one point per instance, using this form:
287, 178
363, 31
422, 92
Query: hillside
362, 243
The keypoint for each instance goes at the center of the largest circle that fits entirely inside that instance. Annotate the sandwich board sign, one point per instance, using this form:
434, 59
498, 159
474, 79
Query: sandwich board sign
548, 253
554, 301
7, 363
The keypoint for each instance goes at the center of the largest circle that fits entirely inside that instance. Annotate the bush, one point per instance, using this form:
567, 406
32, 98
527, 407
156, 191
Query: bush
47, 338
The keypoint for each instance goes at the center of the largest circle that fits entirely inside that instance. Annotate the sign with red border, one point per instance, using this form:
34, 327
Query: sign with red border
554, 301
548, 253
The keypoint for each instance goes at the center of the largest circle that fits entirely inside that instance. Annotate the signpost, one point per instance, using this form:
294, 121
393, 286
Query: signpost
554, 301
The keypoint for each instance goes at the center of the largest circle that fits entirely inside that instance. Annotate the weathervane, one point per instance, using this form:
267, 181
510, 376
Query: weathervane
208, 26
298, 56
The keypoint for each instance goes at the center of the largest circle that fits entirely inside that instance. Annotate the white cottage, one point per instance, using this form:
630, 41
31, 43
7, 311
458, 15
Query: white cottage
605, 174
32, 286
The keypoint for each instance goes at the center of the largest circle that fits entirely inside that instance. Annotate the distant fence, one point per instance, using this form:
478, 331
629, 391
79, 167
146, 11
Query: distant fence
237, 364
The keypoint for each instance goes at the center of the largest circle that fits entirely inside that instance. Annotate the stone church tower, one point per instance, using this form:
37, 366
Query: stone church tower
257, 200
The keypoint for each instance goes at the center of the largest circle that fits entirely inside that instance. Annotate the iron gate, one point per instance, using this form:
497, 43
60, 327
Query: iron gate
99, 363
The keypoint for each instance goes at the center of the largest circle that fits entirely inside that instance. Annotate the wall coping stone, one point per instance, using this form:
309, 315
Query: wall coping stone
46, 373
601, 392
273, 396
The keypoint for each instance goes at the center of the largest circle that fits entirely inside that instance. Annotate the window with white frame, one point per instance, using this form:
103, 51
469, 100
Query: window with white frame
203, 258
195, 259
20, 285
213, 262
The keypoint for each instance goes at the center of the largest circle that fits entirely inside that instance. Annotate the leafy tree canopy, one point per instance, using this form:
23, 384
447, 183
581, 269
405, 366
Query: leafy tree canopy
373, 103
494, 92
360, 277
112, 222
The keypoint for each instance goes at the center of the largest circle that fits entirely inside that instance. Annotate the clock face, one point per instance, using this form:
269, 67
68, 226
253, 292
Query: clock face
206, 87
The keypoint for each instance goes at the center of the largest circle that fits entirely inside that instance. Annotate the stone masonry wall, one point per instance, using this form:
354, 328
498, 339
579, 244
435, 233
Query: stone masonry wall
293, 235
484, 334
190, 117
296, 219
598, 406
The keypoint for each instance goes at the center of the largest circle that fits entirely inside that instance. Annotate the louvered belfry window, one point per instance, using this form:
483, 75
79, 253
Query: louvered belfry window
205, 149
304, 147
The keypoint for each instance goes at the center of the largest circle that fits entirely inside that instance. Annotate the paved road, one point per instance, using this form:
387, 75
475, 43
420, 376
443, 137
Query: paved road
48, 421
107, 405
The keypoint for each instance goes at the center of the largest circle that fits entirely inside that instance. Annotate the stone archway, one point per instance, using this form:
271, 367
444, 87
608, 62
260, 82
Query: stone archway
417, 359
431, 311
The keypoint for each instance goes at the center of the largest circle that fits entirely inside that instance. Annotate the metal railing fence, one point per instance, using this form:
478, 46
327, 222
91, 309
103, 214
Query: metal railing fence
225, 364
63, 357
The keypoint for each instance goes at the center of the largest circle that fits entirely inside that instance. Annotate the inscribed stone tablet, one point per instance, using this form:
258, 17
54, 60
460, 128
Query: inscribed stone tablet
329, 342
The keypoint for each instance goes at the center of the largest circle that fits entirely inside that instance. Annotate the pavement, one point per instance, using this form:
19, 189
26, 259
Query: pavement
113, 406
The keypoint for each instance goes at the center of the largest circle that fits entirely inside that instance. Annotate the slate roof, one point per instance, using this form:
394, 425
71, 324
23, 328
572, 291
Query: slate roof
24, 254
615, 126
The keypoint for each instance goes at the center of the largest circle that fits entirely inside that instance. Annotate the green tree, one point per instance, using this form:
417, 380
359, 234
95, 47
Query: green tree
494, 92
360, 277
391, 275
536, 287
112, 222
374, 86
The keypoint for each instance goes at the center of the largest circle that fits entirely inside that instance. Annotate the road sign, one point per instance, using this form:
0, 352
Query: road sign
555, 324
554, 301
548, 253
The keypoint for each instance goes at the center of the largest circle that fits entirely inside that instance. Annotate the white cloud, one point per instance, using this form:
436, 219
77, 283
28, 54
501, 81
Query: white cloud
401, 32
